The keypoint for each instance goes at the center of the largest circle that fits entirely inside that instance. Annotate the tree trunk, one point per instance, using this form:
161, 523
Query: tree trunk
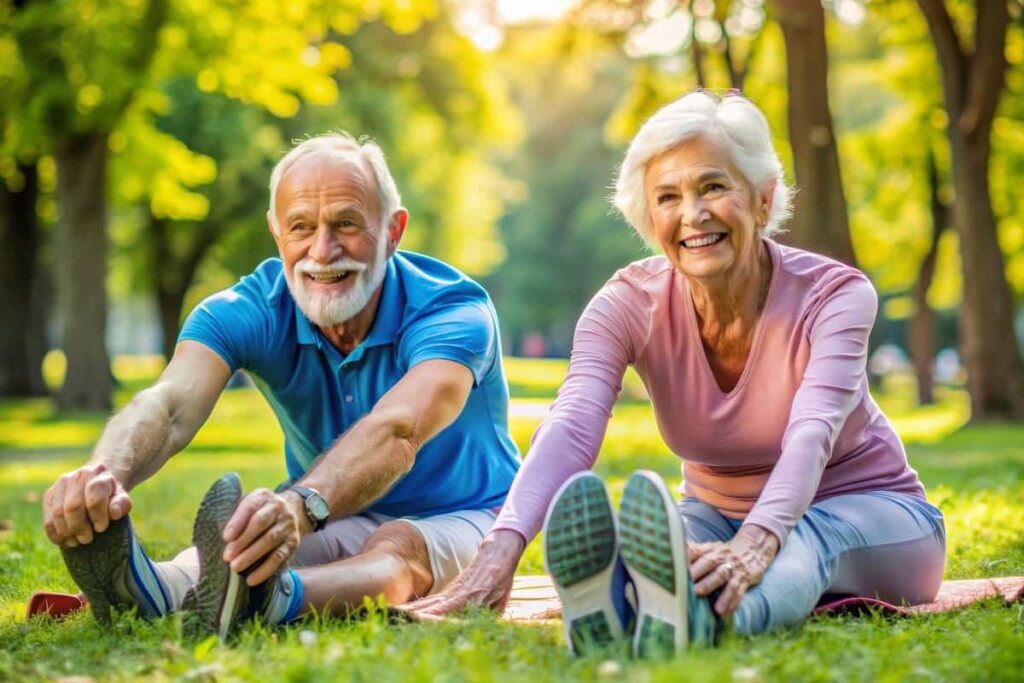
995, 373
23, 332
81, 264
819, 220
921, 328
972, 83
174, 273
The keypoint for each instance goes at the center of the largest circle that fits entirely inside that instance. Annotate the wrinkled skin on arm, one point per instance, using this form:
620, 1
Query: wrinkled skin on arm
158, 423
357, 470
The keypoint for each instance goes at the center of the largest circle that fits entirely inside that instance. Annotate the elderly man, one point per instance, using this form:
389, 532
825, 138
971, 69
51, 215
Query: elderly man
384, 371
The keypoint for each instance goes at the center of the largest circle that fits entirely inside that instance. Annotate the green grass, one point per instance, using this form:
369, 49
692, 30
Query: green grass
975, 474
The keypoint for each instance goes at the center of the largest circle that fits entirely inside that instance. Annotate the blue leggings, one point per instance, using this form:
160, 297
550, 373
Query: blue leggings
881, 544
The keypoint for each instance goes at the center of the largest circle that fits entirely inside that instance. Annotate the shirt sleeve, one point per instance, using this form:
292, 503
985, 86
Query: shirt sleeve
231, 325
464, 333
569, 439
839, 323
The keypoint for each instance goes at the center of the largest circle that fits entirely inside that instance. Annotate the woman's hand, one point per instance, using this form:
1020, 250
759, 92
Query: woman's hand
486, 582
734, 566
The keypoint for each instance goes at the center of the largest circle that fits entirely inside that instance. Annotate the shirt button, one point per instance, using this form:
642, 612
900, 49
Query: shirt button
349, 398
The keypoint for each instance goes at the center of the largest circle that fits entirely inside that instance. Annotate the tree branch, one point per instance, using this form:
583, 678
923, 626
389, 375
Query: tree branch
950, 53
987, 68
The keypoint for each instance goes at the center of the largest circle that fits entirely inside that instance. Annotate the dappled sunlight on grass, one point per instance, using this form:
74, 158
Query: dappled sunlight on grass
923, 424
985, 530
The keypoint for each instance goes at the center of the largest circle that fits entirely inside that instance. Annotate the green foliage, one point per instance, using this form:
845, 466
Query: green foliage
889, 111
563, 241
976, 475
440, 111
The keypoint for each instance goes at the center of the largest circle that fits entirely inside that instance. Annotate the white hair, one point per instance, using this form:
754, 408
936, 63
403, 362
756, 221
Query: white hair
735, 121
341, 144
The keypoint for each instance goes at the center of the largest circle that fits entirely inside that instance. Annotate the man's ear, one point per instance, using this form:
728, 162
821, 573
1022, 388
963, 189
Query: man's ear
396, 228
273, 232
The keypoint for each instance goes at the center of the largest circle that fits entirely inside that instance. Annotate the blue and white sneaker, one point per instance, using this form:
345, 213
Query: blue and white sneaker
581, 555
113, 571
670, 615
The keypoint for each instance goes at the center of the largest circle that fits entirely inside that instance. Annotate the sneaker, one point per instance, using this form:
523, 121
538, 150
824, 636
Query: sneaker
220, 598
581, 555
113, 571
670, 615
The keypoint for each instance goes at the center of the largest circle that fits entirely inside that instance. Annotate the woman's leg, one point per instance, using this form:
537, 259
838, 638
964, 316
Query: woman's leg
883, 544
705, 523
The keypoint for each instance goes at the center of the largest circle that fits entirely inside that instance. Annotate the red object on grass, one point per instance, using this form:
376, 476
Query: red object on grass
57, 605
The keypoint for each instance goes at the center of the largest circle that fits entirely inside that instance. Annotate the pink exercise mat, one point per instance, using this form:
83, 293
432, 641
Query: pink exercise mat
535, 599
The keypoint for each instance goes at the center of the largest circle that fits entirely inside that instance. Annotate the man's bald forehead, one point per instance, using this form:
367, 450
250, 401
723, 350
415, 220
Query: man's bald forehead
319, 159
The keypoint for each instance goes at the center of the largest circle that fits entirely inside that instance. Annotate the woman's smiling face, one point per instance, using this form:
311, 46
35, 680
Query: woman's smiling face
706, 215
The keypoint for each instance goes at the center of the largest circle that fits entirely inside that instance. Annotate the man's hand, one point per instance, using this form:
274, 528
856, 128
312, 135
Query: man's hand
486, 582
733, 566
264, 533
81, 504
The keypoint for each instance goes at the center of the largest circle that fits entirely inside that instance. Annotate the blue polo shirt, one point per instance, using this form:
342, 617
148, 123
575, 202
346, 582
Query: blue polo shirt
427, 310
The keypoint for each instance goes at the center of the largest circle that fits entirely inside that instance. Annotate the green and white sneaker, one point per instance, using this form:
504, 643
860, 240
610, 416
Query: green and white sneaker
580, 554
220, 597
670, 616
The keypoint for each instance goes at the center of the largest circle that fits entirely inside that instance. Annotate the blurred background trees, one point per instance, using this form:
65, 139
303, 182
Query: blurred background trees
137, 137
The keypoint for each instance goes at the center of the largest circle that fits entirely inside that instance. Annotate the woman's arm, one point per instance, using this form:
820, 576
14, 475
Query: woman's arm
831, 387
838, 329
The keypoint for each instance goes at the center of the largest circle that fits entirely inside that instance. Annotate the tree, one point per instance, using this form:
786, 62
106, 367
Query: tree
77, 114
89, 65
21, 231
21, 336
921, 326
972, 83
820, 222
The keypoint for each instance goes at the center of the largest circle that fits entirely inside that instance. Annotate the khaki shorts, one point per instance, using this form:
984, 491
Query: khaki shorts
452, 540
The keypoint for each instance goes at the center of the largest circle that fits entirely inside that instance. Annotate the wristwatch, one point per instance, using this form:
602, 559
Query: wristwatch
317, 511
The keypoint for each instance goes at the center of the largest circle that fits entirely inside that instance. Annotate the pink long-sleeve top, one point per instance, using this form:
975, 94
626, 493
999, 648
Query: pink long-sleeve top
798, 427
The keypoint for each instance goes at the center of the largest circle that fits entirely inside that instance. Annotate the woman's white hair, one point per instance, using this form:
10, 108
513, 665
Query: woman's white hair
733, 120
343, 145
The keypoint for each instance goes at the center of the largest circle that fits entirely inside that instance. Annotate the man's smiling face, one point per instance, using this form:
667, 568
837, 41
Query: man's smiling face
332, 240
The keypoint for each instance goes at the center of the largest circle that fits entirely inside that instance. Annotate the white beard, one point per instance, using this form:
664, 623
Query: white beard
325, 309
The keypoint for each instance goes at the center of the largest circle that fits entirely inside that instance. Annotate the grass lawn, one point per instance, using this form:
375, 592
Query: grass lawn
976, 475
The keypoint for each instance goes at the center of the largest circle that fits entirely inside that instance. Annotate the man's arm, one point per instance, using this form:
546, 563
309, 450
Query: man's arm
156, 424
357, 470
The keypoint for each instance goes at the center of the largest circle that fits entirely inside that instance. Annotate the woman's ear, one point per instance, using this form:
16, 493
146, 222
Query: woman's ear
764, 210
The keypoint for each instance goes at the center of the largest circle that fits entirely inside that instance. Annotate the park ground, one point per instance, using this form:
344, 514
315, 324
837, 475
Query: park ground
975, 474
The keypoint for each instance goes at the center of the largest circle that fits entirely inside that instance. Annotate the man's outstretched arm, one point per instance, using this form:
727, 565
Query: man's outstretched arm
357, 470
156, 424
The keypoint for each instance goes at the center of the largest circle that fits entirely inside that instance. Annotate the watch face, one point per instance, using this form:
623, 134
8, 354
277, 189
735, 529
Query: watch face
318, 507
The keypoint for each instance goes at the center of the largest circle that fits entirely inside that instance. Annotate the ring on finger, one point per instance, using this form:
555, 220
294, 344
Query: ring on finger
728, 567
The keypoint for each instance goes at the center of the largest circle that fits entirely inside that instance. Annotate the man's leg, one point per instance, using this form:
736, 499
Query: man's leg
873, 544
401, 560
393, 563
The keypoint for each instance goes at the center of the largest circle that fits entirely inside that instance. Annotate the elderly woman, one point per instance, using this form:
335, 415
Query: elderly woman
753, 354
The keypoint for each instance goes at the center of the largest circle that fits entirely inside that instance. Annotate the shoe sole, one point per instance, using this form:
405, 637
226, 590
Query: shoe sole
653, 541
220, 595
580, 549
95, 566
